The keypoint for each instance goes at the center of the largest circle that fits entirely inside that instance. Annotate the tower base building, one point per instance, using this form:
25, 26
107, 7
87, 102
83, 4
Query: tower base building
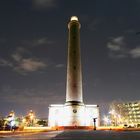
73, 115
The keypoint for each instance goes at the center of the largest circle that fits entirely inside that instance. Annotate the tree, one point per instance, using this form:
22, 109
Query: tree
1, 124
42, 123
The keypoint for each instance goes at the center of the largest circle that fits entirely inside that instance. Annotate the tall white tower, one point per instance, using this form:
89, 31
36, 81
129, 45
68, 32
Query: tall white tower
74, 112
74, 75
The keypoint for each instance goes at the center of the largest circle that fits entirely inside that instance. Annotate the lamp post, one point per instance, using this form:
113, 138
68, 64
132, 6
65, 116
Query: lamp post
94, 121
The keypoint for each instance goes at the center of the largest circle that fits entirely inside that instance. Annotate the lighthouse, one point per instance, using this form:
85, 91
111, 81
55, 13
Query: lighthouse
73, 113
74, 74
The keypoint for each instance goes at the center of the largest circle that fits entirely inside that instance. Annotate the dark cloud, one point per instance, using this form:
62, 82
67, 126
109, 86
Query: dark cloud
5, 63
135, 53
25, 96
38, 42
29, 65
45, 4
59, 65
21, 64
117, 49
116, 44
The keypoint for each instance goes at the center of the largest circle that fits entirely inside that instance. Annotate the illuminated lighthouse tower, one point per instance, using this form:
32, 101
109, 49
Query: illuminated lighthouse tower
74, 75
74, 112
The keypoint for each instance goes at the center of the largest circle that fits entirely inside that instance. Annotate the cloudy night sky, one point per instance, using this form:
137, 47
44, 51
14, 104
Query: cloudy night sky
33, 52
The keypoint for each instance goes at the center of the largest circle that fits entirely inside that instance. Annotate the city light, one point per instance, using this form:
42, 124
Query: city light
106, 120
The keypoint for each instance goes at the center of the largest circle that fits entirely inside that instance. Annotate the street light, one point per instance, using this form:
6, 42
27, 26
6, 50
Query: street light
113, 116
106, 120
94, 121
31, 116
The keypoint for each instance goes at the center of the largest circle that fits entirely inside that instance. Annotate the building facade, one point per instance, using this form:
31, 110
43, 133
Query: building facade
125, 113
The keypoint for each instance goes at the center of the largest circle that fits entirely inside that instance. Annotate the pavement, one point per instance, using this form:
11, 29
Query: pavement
98, 135
75, 135
29, 135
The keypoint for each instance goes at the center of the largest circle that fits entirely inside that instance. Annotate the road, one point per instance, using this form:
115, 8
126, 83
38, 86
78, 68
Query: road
77, 135
30, 136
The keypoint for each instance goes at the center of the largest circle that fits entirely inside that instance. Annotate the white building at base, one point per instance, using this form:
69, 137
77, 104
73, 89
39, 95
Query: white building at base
73, 115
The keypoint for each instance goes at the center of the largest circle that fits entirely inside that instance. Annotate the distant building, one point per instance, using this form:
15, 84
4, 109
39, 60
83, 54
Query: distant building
125, 113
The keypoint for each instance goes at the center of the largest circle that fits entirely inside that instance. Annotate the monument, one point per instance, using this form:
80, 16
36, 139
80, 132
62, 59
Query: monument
74, 112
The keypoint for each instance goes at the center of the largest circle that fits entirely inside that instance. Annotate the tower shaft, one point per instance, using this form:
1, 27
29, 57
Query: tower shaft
74, 74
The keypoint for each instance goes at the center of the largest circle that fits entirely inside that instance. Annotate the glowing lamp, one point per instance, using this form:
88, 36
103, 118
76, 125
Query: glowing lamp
12, 123
74, 18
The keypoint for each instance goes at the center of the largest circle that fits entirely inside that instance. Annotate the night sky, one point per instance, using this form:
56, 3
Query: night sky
33, 52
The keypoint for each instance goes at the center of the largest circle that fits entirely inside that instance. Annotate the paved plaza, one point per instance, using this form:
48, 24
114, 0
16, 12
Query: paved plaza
75, 135
98, 135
